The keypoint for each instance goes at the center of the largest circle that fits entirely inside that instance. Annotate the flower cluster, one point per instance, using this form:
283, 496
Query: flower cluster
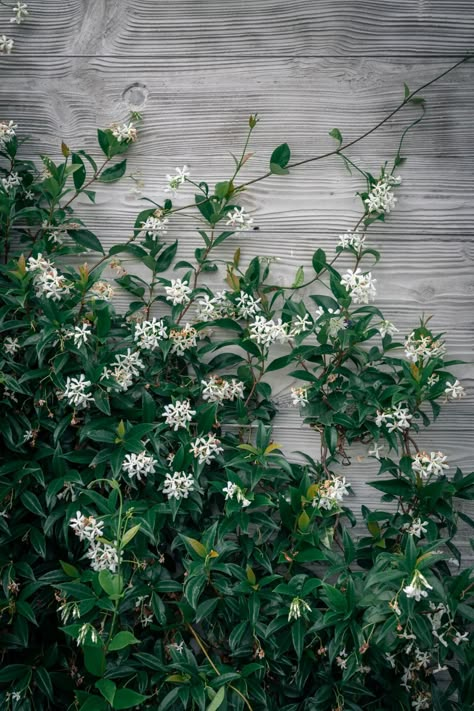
183, 339
205, 449
418, 588
266, 332
217, 389
76, 391
156, 224
247, 306
178, 292
297, 608
138, 465
381, 198
355, 240
124, 133
178, 485
232, 490
421, 348
360, 286
330, 493
299, 396
178, 414
149, 334
48, 282
87, 528
7, 132
124, 368
332, 319
208, 309
396, 419
429, 464
238, 219
102, 290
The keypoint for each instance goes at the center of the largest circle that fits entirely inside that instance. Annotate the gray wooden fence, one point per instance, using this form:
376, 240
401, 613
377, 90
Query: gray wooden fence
197, 68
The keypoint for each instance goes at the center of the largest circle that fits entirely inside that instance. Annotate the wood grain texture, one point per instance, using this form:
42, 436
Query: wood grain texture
256, 28
196, 70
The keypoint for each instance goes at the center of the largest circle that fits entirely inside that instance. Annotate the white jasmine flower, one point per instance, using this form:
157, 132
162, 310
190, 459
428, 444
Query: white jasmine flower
232, 490
418, 528
440, 637
360, 286
205, 449
183, 339
138, 465
11, 345
87, 528
178, 292
208, 309
11, 181
393, 604
124, 132
266, 332
38, 263
355, 240
177, 647
178, 414
460, 638
217, 389
75, 391
239, 219
381, 197
455, 390
20, 11
124, 368
50, 284
426, 464
391, 659
81, 334
418, 587
247, 305
102, 290
103, 557
387, 328
422, 348
395, 419
330, 493
297, 607
57, 236
421, 701
334, 324
376, 449
6, 44
148, 334
175, 181
300, 325
7, 132
299, 396
433, 379
156, 224
178, 486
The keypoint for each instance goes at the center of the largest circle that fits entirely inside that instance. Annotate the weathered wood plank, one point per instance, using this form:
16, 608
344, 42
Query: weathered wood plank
299, 100
256, 27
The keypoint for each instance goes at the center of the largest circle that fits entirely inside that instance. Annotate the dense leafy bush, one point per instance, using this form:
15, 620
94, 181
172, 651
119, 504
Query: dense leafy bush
158, 548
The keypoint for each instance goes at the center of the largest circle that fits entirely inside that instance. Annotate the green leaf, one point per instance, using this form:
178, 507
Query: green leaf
122, 640
395, 487
107, 688
196, 546
86, 239
43, 680
166, 257
299, 278
111, 583
280, 159
115, 172
127, 699
319, 260
69, 569
104, 141
336, 134
94, 659
406, 91
218, 700
297, 636
32, 503
79, 176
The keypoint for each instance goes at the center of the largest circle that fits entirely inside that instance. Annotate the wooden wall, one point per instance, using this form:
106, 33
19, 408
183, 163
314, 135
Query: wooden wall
197, 68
